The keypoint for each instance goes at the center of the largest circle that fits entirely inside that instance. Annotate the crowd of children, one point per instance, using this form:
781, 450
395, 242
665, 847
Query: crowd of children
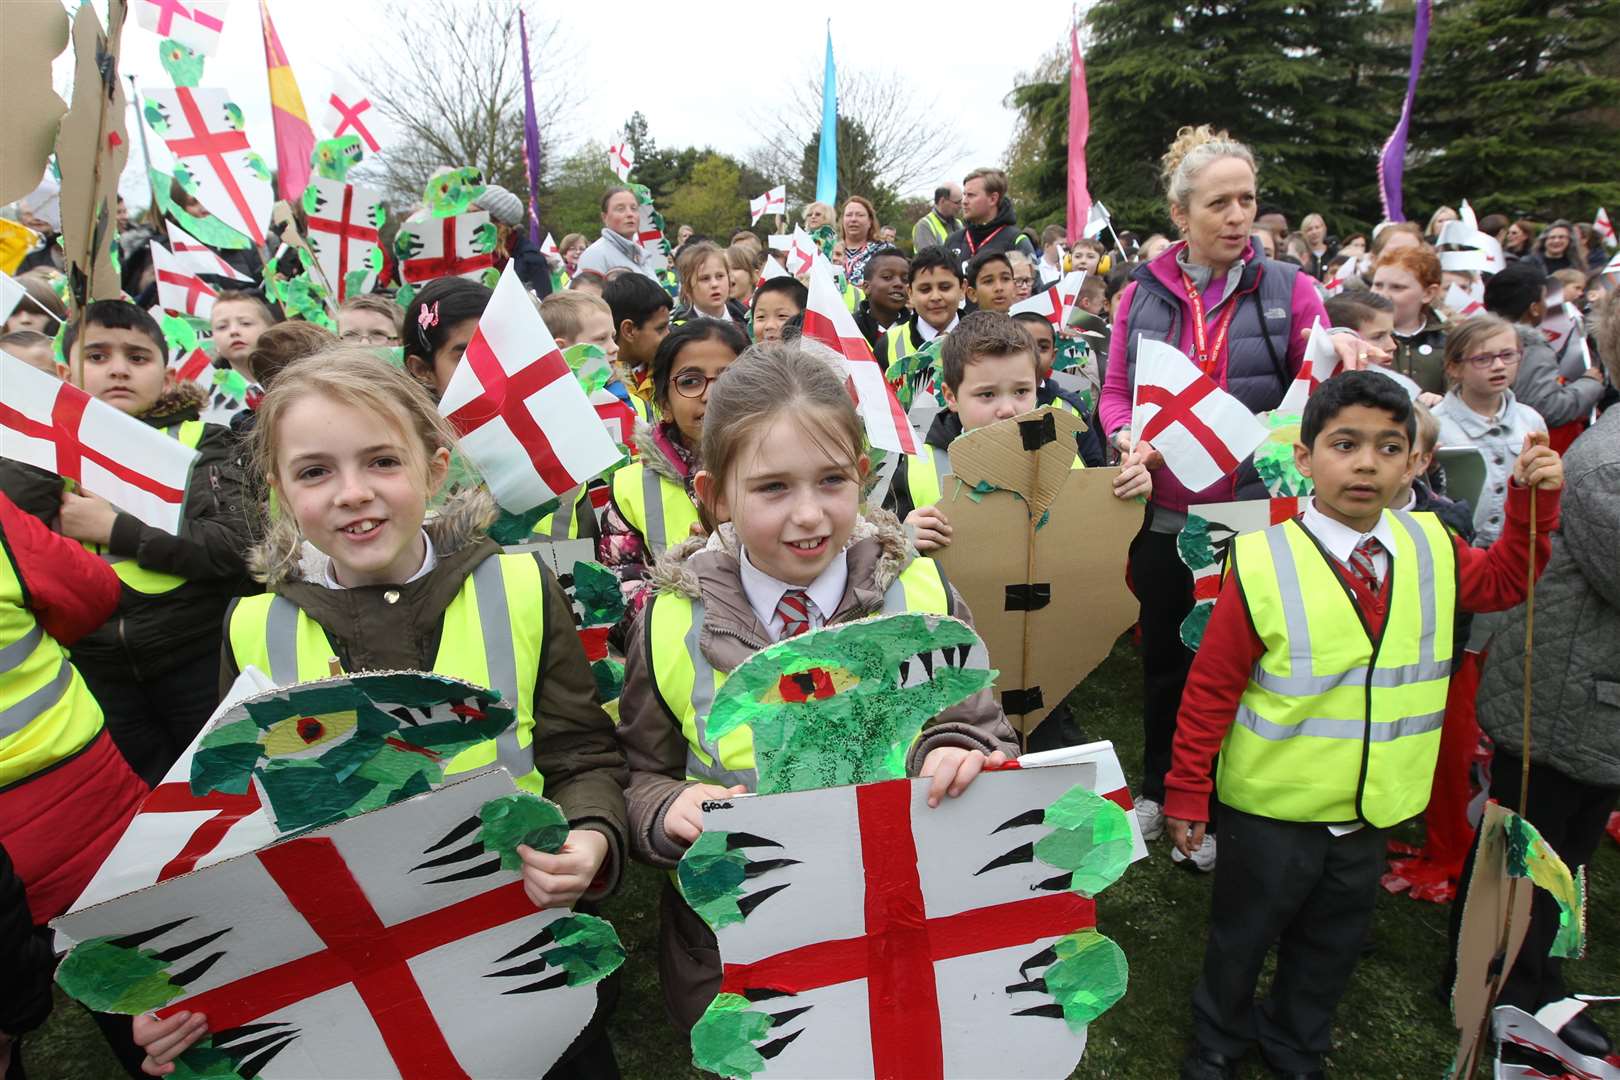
326, 525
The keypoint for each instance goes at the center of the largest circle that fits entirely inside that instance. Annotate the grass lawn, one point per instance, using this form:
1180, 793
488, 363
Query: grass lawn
1391, 1025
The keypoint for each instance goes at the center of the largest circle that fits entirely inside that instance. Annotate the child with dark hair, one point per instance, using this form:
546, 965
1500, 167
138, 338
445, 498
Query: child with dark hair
887, 271
40, 308
934, 292
439, 323
641, 310
1369, 314
153, 665
776, 301
1093, 452
652, 506
32, 348
990, 285
1318, 761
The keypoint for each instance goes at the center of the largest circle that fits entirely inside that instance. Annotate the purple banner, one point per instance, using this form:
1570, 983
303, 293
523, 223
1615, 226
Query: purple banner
1392, 162
531, 137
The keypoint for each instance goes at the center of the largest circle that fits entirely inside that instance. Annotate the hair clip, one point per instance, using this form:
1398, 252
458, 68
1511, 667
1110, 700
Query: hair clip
428, 316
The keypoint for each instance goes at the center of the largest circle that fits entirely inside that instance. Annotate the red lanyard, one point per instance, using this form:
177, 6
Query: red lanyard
1206, 353
973, 249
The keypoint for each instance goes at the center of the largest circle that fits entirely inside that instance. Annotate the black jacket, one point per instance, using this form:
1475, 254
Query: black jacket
25, 957
869, 324
152, 634
999, 234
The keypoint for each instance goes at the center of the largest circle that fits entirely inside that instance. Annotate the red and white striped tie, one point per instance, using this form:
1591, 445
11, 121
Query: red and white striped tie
794, 611
1362, 564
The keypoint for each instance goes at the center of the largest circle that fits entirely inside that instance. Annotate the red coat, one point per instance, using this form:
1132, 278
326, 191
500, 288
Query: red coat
59, 823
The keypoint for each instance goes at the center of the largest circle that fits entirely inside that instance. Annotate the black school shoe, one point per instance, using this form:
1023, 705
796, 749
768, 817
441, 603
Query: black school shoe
1584, 1035
1202, 1063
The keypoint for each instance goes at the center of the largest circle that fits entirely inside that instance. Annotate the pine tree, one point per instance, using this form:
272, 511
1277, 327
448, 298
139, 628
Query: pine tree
1308, 86
1514, 110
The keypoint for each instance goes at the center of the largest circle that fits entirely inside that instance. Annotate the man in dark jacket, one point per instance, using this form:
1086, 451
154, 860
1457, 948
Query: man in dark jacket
990, 221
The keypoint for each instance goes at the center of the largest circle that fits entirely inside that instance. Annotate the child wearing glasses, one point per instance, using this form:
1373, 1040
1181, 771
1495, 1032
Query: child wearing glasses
652, 506
1482, 356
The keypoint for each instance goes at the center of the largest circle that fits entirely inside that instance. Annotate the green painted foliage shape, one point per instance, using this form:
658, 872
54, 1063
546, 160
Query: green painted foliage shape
521, 818
711, 876
723, 1038
1088, 977
1090, 837
110, 978
587, 948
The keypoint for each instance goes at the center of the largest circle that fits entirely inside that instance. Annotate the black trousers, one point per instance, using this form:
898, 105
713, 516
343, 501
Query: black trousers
1163, 585
153, 720
1309, 893
1570, 816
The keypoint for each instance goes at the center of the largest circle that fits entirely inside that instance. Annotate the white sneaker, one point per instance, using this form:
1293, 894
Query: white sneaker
1150, 816
1203, 859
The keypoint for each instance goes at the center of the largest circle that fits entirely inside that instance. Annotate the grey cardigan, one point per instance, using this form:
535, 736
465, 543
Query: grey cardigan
1575, 680
611, 251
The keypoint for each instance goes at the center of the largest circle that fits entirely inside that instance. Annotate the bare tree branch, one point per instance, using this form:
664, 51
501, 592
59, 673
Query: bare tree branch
455, 94
909, 147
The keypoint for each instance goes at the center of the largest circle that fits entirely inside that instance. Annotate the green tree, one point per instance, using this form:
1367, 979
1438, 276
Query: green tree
571, 199
711, 199
1517, 111
1309, 87
857, 171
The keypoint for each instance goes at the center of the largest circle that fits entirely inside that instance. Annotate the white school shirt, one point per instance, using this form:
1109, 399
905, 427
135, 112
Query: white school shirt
1340, 540
928, 333
764, 592
430, 559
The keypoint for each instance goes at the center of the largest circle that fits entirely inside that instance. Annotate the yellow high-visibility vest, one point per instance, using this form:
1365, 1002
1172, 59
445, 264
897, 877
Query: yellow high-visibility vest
655, 506
491, 636
686, 682
1336, 725
47, 713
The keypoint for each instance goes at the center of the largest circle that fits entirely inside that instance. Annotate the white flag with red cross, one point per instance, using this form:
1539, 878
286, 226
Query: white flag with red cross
343, 232
621, 159
55, 426
1604, 228
446, 247
771, 269
179, 287
198, 257
828, 321
881, 937
1470, 249
1203, 432
349, 111
387, 944
802, 254
203, 129
197, 23
1612, 270
548, 248
1321, 361
773, 201
1054, 302
523, 417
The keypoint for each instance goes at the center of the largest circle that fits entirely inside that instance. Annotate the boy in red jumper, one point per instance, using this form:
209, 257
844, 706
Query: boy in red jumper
1322, 681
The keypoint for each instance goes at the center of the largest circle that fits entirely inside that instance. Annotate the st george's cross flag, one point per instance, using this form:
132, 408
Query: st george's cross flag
343, 232
621, 159
201, 130
773, 201
828, 321
53, 425
1604, 228
524, 419
801, 253
1321, 361
1202, 431
349, 111
179, 288
196, 23
548, 247
1461, 302
1054, 302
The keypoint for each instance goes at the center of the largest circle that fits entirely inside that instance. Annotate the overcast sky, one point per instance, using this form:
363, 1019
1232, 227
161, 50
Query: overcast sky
741, 62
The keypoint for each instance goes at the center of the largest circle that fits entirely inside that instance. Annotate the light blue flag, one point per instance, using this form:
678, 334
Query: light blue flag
827, 164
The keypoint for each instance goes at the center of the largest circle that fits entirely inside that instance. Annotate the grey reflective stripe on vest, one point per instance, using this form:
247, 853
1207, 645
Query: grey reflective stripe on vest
1326, 728
16, 717
1292, 595
894, 599
500, 658
652, 501
563, 520
21, 649
281, 640
702, 701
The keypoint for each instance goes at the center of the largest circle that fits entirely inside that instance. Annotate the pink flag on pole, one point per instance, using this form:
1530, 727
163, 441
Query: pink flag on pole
1079, 132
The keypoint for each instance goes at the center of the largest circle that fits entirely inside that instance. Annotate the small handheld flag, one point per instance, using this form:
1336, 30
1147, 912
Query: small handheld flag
1203, 432
828, 321
621, 159
773, 201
